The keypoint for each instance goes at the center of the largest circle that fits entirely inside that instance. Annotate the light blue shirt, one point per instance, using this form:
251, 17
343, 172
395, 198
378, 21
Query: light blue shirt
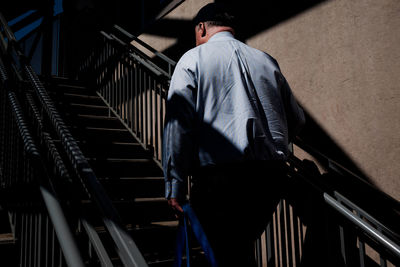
227, 103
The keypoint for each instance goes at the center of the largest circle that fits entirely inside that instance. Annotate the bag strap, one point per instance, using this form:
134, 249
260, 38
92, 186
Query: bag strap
190, 216
182, 241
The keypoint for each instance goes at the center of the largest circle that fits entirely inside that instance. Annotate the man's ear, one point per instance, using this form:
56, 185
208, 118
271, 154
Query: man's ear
202, 28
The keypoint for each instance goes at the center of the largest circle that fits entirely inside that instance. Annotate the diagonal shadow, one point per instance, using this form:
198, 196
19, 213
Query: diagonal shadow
252, 18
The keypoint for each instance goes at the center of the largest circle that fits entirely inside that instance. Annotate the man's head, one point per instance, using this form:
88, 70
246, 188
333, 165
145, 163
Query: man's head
210, 19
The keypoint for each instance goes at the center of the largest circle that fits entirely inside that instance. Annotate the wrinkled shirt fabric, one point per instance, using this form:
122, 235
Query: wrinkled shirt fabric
227, 103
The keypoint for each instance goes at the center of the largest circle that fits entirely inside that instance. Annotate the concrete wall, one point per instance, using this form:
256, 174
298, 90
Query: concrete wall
342, 59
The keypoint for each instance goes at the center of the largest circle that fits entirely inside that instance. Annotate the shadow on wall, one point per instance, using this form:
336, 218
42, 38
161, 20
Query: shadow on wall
315, 136
253, 16
361, 190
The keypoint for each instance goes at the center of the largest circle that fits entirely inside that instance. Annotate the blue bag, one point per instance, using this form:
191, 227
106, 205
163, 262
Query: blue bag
183, 238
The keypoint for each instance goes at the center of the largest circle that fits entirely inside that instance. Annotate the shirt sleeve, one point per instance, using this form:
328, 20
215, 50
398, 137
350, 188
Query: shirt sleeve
294, 113
178, 140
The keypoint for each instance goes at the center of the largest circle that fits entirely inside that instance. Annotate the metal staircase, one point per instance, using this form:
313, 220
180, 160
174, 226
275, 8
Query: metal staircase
81, 182
127, 171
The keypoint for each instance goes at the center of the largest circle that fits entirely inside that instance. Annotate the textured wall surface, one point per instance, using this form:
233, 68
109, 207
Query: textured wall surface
342, 59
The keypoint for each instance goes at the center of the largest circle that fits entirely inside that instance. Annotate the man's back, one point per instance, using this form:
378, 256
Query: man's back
241, 101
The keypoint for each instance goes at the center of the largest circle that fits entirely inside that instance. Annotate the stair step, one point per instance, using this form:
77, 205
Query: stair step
147, 210
8, 250
98, 134
7, 238
161, 263
116, 168
72, 89
87, 109
125, 150
82, 99
139, 211
99, 121
61, 89
101, 149
134, 187
63, 80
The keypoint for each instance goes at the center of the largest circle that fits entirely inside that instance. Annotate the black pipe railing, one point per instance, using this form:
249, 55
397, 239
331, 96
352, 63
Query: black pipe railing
22, 166
312, 224
49, 125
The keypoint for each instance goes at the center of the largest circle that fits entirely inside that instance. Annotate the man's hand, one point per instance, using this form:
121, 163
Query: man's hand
176, 207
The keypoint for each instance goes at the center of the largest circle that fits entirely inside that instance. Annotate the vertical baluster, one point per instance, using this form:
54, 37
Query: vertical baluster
126, 86
109, 72
382, 261
25, 239
117, 90
269, 240
112, 69
276, 237
282, 232
145, 113
102, 86
35, 238
297, 238
162, 108
289, 233
127, 92
120, 89
131, 88
258, 252
361, 246
156, 130
361, 251
39, 242
122, 100
151, 111
141, 103
46, 240
30, 240
53, 246
106, 81
60, 256
137, 98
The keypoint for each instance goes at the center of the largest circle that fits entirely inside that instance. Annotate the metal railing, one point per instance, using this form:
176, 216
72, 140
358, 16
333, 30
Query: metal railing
22, 166
62, 166
132, 85
313, 223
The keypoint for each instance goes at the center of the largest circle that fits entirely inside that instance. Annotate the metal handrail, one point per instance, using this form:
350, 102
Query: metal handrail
64, 233
3, 73
171, 62
378, 225
128, 251
8, 32
377, 236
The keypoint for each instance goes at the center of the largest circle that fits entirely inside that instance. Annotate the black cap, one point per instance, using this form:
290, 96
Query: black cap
216, 12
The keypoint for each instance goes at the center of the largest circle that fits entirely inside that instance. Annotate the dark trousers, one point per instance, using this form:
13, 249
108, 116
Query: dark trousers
234, 204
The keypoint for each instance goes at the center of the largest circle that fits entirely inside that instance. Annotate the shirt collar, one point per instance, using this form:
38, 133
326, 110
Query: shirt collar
221, 36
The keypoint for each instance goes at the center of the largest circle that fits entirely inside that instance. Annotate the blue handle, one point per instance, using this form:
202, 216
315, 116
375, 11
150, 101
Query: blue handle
198, 232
